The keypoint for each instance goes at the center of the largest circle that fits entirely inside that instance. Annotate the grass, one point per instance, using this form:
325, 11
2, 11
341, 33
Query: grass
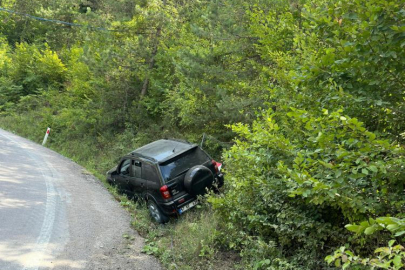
187, 242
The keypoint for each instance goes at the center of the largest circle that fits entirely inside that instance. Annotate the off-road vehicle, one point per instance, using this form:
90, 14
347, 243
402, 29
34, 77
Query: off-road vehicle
168, 174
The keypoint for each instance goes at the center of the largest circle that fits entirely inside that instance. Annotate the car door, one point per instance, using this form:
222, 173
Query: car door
124, 176
150, 174
138, 183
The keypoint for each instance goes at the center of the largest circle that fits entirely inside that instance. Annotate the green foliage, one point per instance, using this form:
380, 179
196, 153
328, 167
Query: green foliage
29, 71
299, 169
390, 257
327, 153
338, 163
338, 54
395, 225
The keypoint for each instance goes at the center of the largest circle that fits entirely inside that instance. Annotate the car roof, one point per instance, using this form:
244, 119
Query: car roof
163, 150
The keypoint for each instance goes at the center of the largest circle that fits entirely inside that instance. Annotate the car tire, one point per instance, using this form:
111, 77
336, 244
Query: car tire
110, 182
197, 179
157, 214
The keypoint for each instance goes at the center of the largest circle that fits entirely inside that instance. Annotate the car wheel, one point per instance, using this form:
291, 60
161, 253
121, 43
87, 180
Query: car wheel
156, 213
110, 182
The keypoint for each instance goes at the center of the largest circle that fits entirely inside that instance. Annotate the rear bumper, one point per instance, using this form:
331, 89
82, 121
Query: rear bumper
172, 207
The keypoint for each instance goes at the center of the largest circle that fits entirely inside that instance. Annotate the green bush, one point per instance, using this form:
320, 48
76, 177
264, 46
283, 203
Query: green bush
390, 257
338, 163
28, 70
294, 179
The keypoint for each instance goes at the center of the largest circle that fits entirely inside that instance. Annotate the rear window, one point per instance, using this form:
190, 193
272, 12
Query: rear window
182, 163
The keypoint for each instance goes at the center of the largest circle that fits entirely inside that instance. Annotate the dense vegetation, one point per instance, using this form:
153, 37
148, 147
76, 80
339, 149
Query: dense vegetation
304, 100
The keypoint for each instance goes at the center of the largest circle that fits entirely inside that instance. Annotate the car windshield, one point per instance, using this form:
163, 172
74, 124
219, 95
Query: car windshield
182, 163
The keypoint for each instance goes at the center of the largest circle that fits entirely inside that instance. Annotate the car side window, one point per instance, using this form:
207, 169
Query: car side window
137, 168
124, 169
149, 173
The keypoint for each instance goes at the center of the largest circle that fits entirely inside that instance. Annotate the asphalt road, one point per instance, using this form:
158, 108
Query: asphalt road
55, 215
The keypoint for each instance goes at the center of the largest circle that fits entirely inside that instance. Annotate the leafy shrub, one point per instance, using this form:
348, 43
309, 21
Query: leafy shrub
4, 58
333, 54
390, 257
28, 71
340, 164
294, 179
50, 68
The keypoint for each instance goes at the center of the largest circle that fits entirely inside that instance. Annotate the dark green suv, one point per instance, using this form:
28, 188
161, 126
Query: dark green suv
168, 174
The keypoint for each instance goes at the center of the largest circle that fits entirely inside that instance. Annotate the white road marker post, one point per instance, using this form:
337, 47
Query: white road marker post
46, 135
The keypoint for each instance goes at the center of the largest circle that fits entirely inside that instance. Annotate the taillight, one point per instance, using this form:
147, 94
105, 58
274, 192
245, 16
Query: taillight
165, 192
215, 165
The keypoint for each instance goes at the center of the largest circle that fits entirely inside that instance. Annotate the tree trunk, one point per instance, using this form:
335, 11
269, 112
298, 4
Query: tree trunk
145, 85
151, 64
